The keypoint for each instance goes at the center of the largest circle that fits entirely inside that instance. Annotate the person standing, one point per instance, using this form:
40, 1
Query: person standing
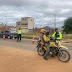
57, 35
19, 34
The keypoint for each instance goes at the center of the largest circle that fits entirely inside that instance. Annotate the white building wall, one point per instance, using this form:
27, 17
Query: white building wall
26, 24
24, 30
30, 23
13, 29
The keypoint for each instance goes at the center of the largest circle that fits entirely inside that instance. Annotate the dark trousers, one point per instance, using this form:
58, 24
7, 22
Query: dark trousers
48, 50
18, 37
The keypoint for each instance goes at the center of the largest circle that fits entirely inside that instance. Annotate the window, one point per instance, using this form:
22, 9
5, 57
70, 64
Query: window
24, 24
12, 31
2, 32
31, 20
23, 19
6, 31
18, 24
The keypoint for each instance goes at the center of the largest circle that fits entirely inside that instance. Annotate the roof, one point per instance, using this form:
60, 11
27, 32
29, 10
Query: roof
25, 17
18, 22
9, 26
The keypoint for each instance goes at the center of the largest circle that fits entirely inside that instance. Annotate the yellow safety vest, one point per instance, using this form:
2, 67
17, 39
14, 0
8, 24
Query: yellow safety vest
60, 35
19, 31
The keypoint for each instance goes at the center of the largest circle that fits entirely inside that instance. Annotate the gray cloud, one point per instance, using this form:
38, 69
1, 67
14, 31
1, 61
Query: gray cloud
15, 2
42, 11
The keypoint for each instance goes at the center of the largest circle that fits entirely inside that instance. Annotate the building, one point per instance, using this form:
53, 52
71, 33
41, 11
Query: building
26, 24
12, 28
37, 30
7, 28
1, 25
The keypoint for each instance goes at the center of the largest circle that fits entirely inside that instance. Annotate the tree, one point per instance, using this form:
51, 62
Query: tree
68, 25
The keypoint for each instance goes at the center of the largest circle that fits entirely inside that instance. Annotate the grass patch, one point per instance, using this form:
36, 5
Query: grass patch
36, 36
67, 36
29, 37
31, 34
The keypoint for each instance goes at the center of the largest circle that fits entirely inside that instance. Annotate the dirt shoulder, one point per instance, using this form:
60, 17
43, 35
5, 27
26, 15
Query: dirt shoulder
18, 60
67, 41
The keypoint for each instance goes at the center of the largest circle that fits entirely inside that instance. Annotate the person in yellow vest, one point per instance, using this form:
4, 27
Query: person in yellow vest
19, 34
57, 35
46, 40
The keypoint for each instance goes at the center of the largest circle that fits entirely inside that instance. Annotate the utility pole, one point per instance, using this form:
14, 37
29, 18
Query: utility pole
54, 21
40, 25
55, 18
6, 22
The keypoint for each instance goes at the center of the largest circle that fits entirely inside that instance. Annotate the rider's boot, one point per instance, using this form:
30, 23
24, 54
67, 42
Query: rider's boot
45, 58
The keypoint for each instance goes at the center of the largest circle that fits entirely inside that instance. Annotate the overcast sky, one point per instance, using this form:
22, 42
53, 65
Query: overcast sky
42, 11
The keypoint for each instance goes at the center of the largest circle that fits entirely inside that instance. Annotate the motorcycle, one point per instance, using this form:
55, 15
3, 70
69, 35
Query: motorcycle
56, 49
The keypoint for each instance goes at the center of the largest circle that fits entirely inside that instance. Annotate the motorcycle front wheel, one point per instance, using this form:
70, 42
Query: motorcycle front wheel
63, 56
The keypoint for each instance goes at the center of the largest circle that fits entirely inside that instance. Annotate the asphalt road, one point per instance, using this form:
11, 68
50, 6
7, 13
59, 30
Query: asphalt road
26, 44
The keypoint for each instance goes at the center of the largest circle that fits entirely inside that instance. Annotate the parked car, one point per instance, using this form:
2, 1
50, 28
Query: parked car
8, 34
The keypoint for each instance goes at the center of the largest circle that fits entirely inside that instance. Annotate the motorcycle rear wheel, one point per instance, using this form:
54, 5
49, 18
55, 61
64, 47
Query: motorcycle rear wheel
39, 51
63, 56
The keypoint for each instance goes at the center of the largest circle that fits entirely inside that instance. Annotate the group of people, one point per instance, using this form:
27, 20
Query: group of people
44, 39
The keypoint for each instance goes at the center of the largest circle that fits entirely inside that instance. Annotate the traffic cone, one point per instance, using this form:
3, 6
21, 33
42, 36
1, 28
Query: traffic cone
13, 38
3, 37
33, 41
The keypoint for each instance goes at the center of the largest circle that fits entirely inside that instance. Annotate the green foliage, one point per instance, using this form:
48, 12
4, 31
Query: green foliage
68, 25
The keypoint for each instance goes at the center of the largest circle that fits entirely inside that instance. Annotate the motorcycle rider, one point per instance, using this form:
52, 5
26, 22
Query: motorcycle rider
57, 35
42, 32
46, 40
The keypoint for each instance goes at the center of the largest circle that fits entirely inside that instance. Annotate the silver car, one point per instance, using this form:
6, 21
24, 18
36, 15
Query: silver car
8, 34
